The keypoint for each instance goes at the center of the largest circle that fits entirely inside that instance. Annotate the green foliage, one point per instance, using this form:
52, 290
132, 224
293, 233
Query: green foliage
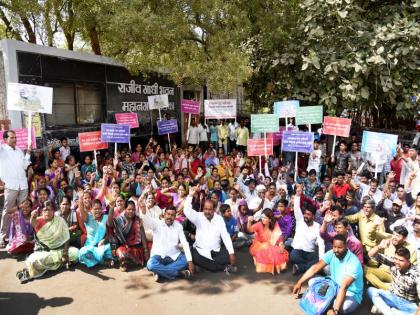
197, 42
351, 54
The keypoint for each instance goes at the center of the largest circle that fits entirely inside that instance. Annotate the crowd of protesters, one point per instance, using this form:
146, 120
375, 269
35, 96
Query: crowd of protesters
181, 209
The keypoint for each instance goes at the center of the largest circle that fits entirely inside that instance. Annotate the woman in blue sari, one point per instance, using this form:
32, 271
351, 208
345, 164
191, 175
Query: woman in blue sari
97, 249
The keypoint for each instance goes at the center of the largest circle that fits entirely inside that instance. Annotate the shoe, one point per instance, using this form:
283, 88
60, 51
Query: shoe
231, 269
23, 276
295, 269
185, 274
375, 310
156, 277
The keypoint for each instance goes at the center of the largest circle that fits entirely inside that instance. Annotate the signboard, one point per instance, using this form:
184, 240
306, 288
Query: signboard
286, 109
297, 141
275, 136
255, 147
130, 119
91, 141
265, 123
309, 115
167, 126
382, 144
22, 138
220, 109
31, 98
336, 126
158, 101
190, 107
115, 133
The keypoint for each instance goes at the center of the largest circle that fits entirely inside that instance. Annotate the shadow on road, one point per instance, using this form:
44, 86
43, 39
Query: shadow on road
28, 303
207, 283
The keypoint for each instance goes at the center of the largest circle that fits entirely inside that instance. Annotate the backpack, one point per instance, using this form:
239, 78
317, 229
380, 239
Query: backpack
319, 296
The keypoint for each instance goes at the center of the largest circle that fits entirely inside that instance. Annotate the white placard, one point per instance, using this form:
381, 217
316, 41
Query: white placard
158, 101
220, 109
29, 98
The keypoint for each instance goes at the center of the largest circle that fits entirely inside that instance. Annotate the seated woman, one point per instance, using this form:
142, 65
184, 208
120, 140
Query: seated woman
97, 249
51, 245
129, 238
267, 248
70, 216
21, 235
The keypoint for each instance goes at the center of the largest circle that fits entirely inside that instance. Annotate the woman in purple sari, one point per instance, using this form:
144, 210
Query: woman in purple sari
21, 233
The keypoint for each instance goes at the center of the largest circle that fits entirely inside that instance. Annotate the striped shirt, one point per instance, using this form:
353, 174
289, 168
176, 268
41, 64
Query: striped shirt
404, 285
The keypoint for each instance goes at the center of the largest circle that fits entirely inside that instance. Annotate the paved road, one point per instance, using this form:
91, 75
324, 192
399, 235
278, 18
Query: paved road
109, 291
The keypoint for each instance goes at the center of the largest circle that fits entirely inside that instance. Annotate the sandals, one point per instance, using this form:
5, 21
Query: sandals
123, 267
23, 276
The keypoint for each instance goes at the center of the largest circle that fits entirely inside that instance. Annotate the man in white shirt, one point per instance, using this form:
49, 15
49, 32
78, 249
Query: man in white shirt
166, 260
13, 165
193, 134
232, 134
233, 201
204, 140
314, 161
208, 252
307, 237
371, 190
64, 149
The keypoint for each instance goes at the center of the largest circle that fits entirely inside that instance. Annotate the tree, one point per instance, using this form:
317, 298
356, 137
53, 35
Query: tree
196, 42
359, 55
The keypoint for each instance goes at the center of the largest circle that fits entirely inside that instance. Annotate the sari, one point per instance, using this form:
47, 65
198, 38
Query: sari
21, 235
179, 206
265, 251
50, 239
128, 240
91, 254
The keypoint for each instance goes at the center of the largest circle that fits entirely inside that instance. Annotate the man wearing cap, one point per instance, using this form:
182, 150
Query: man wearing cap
391, 216
381, 277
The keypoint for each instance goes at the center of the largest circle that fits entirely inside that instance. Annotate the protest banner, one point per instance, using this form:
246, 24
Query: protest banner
91, 141
256, 147
190, 107
380, 145
285, 109
265, 123
22, 138
297, 141
167, 126
336, 126
158, 101
309, 115
29, 98
130, 119
276, 136
220, 109
115, 133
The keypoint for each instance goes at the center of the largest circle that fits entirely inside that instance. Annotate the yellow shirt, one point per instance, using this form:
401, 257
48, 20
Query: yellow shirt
370, 233
242, 135
222, 132
390, 252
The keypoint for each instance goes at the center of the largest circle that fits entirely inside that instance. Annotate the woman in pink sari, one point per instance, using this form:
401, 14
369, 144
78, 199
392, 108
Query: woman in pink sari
267, 248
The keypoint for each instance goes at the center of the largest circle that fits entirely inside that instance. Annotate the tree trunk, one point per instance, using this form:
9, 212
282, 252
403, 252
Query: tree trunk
94, 41
29, 29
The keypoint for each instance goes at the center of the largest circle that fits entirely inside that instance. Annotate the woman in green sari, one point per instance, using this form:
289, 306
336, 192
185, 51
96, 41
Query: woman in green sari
51, 245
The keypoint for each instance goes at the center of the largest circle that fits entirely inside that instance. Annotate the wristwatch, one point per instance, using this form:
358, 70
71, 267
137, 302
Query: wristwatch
335, 311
